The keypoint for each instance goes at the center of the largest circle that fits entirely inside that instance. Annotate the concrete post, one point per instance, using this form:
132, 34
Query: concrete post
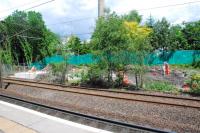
101, 4
1, 83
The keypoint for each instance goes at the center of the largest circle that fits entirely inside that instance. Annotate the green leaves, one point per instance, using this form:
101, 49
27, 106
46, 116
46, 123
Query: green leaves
133, 16
77, 47
191, 32
109, 34
34, 43
74, 45
160, 36
176, 37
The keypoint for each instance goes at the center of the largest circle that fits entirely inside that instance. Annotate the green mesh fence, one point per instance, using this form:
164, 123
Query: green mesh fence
174, 57
156, 58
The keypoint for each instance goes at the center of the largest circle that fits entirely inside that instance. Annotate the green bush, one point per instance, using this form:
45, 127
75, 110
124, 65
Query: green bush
196, 64
59, 70
95, 77
160, 86
195, 84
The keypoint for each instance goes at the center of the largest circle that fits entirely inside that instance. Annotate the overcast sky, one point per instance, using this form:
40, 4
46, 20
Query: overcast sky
85, 12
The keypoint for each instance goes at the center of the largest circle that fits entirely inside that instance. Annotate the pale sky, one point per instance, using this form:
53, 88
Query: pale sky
85, 12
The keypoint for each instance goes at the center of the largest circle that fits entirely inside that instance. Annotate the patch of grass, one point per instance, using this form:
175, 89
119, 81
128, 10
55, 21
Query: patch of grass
160, 86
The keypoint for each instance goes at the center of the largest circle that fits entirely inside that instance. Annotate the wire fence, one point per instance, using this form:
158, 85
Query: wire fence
77, 74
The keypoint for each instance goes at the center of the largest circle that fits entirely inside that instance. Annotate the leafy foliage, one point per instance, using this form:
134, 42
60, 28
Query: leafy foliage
77, 47
74, 45
191, 33
195, 84
176, 37
26, 38
133, 16
112, 37
139, 44
109, 38
160, 35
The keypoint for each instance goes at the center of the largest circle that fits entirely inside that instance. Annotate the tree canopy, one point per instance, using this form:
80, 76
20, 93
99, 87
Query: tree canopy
133, 16
113, 36
25, 37
191, 33
166, 36
76, 46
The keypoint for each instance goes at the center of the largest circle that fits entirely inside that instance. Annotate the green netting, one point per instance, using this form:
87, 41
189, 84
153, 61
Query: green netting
81, 60
156, 58
174, 57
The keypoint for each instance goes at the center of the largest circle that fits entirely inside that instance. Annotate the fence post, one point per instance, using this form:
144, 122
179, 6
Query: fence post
1, 75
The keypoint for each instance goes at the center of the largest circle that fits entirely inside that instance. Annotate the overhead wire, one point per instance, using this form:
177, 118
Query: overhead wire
64, 22
34, 7
12, 8
166, 6
39, 5
78, 34
96, 17
81, 19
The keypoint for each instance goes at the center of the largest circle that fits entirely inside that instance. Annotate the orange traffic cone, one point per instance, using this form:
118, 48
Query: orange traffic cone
125, 80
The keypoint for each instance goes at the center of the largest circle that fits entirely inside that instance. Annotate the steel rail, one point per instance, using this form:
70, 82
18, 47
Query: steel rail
104, 90
33, 84
94, 118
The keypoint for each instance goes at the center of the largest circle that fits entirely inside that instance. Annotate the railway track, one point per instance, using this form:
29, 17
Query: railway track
130, 96
106, 124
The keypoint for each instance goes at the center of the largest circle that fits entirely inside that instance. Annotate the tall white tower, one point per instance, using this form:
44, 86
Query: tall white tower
101, 8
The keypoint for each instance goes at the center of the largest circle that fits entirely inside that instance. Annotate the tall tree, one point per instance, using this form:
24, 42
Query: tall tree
139, 45
26, 32
150, 22
191, 32
74, 45
108, 39
160, 37
133, 16
177, 39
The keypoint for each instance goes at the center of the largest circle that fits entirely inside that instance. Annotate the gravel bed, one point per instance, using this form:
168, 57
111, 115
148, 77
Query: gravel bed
128, 96
158, 116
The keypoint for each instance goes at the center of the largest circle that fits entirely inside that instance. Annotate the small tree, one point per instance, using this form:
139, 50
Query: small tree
108, 39
133, 16
160, 37
140, 46
74, 45
64, 70
177, 39
28, 51
61, 69
191, 32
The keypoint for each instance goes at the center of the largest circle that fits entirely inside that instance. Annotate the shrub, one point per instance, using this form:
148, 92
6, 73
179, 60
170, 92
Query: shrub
195, 84
59, 70
95, 77
196, 64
